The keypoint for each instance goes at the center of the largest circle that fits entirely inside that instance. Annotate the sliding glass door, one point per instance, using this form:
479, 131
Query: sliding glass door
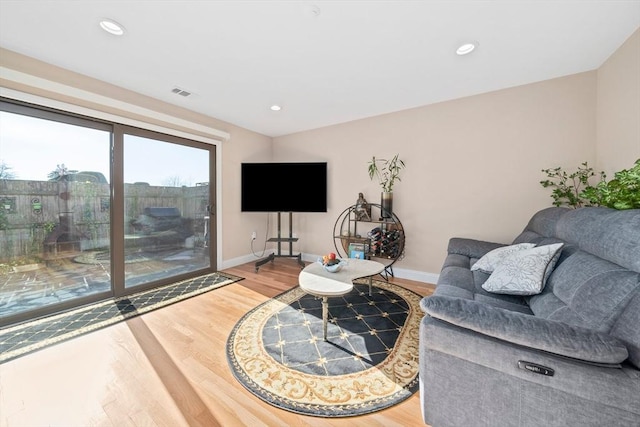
166, 209
91, 210
54, 211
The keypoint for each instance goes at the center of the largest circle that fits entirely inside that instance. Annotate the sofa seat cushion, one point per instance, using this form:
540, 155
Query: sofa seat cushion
458, 281
506, 302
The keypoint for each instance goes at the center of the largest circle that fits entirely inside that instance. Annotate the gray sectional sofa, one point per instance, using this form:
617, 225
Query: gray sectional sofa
568, 356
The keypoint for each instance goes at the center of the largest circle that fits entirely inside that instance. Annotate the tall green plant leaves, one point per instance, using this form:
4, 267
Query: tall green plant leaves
386, 171
575, 190
622, 192
568, 187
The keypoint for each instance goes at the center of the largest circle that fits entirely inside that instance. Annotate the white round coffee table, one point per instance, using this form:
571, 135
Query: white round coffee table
317, 281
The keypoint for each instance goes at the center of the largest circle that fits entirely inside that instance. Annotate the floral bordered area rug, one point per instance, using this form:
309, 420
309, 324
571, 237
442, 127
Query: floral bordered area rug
368, 363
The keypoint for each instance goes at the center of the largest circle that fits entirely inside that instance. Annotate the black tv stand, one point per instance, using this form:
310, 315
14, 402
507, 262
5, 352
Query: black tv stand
280, 239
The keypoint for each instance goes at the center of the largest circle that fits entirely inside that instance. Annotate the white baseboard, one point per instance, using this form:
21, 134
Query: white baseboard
233, 262
402, 273
239, 260
419, 276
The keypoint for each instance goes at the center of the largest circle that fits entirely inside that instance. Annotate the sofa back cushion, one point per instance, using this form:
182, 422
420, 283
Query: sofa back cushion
543, 223
590, 292
606, 233
541, 230
586, 291
627, 330
596, 282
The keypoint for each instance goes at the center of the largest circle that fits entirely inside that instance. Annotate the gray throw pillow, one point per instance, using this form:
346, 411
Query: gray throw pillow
524, 272
489, 262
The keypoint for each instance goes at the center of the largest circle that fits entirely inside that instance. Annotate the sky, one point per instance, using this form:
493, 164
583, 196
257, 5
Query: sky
33, 148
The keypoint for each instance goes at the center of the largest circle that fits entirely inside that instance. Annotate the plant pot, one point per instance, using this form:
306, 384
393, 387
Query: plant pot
387, 205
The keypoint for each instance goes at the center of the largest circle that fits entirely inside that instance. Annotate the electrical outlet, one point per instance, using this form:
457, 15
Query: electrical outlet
253, 236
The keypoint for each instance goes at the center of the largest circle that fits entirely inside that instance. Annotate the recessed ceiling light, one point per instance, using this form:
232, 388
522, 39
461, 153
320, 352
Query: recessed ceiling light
275, 107
310, 10
466, 48
112, 27
314, 10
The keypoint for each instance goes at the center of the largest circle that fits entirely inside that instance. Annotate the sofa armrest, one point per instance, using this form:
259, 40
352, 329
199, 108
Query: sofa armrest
526, 330
470, 247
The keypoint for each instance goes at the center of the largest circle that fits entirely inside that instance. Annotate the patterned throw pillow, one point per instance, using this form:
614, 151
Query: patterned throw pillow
491, 259
524, 272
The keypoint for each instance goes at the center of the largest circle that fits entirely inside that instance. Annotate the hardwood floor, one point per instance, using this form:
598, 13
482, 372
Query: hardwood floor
165, 368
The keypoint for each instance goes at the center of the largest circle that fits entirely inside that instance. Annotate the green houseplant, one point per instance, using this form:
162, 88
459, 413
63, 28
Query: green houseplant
575, 190
387, 172
568, 187
622, 192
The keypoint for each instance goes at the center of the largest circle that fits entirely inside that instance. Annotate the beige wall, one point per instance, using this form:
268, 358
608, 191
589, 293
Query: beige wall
473, 164
618, 140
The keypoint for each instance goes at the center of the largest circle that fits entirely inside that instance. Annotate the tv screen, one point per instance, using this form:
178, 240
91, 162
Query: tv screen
284, 187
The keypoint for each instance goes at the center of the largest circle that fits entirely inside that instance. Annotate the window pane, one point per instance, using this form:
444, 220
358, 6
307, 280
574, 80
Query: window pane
54, 213
166, 197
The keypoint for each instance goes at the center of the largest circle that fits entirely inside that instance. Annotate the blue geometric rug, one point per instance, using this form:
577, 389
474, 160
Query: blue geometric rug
368, 363
30, 336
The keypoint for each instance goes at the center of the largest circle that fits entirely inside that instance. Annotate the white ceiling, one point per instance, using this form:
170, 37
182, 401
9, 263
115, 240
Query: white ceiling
354, 59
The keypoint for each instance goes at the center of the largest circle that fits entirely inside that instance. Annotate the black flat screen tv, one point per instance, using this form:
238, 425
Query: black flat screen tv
284, 187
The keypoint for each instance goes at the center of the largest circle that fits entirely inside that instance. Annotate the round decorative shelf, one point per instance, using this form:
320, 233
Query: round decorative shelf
370, 235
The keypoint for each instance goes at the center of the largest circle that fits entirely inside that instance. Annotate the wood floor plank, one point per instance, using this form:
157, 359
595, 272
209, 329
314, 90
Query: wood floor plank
166, 368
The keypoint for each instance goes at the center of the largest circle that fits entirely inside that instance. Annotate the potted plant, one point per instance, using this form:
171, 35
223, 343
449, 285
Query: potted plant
387, 172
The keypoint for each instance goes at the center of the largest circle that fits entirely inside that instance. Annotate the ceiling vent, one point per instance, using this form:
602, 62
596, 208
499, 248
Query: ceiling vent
181, 92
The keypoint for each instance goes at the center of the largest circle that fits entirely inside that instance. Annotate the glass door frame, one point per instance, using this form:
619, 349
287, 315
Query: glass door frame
116, 200
118, 210
74, 120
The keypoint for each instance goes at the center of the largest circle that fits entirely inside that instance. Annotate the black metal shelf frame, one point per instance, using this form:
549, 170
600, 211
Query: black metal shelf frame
350, 227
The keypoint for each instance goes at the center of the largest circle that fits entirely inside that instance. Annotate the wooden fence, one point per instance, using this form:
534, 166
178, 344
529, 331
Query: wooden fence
30, 211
